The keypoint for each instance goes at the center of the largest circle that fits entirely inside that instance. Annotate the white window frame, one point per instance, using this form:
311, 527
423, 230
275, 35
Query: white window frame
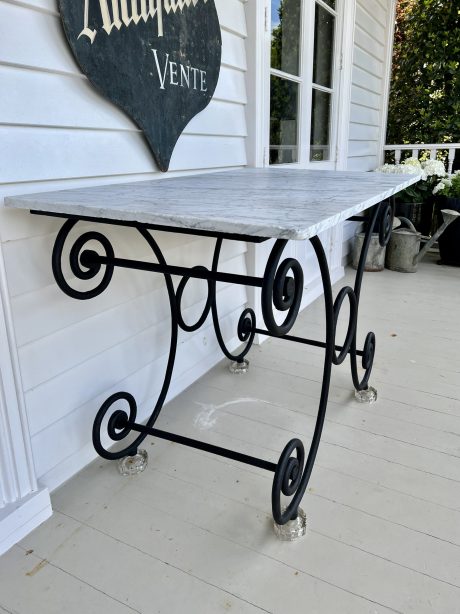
343, 57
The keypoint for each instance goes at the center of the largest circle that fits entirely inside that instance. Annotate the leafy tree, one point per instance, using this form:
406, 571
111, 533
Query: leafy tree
425, 92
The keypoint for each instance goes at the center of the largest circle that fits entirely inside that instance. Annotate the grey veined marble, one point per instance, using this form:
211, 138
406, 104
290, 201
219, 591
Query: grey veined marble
274, 202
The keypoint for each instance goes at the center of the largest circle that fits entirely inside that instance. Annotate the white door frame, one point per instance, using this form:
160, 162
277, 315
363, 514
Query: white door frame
23, 504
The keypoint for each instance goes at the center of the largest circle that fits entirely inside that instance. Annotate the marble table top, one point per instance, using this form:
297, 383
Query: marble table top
275, 202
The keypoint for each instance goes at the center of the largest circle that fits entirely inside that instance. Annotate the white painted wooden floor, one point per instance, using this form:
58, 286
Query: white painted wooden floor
193, 533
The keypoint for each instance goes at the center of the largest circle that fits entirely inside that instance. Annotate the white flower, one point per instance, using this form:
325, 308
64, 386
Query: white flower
446, 182
397, 169
413, 162
416, 167
439, 187
386, 168
434, 167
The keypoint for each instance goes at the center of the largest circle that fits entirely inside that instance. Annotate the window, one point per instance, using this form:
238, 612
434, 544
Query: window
303, 81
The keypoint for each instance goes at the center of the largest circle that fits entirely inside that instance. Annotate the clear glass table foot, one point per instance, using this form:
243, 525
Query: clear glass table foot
239, 368
133, 465
292, 530
366, 396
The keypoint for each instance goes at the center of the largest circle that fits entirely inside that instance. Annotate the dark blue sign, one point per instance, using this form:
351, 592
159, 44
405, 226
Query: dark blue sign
158, 60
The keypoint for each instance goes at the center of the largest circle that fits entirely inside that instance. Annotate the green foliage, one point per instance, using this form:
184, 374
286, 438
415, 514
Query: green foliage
453, 191
418, 193
425, 92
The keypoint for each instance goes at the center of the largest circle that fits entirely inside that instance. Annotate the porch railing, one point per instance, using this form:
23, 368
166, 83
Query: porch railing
444, 151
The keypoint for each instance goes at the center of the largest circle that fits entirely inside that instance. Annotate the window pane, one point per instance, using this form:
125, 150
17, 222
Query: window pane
324, 47
284, 97
320, 122
286, 35
330, 3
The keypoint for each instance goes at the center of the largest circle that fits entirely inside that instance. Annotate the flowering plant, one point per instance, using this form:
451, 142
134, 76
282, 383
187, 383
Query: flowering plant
431, 171
449, 186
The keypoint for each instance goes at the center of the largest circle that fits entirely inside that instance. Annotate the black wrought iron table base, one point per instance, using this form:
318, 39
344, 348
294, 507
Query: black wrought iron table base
281, 289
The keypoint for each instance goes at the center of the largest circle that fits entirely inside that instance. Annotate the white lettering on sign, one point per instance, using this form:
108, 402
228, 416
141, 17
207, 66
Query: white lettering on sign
119, 13
179, 74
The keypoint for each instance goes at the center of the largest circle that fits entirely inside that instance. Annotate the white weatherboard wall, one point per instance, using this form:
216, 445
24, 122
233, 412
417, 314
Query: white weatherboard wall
370, 82
57, 132
373, 44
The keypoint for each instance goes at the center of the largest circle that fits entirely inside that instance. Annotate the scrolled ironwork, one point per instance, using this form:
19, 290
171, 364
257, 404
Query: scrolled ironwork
118, 426
381, 217
386, 215
367, 362
190, 328
288, 482
174, 325
281, 290
369, 352
293, 474
247, 326
246, 323
370, 225
338, 359
84, 263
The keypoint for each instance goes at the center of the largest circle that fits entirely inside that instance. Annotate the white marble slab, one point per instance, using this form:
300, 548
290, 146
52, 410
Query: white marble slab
275, 202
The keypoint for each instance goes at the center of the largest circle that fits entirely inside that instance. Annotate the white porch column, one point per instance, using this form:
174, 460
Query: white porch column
23, 505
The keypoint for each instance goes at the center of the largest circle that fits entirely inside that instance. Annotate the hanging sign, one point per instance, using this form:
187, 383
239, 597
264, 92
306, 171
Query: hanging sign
158, 60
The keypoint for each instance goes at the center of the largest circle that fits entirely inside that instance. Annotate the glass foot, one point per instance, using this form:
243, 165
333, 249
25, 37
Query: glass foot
366, 396
239, 368
133, 465
292, 530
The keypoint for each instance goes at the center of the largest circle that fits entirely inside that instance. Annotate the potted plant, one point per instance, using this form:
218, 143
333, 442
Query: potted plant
447, 193
416, 203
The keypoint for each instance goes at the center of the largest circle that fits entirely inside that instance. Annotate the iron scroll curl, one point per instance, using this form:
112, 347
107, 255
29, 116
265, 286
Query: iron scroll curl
84, 263
247, 322
190, 328
118, 426
338, 359
385, 221
281, 290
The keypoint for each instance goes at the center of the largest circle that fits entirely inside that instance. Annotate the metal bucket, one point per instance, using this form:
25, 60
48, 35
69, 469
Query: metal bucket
375, 260
403, 248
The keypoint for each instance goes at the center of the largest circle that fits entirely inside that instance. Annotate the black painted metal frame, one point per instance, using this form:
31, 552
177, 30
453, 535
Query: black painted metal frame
281, 291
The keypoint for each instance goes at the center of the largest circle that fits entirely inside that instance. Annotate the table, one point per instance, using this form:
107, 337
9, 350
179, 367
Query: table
251, 205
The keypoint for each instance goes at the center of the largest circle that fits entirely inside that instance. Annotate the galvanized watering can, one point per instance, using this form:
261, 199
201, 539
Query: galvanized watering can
403, 251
